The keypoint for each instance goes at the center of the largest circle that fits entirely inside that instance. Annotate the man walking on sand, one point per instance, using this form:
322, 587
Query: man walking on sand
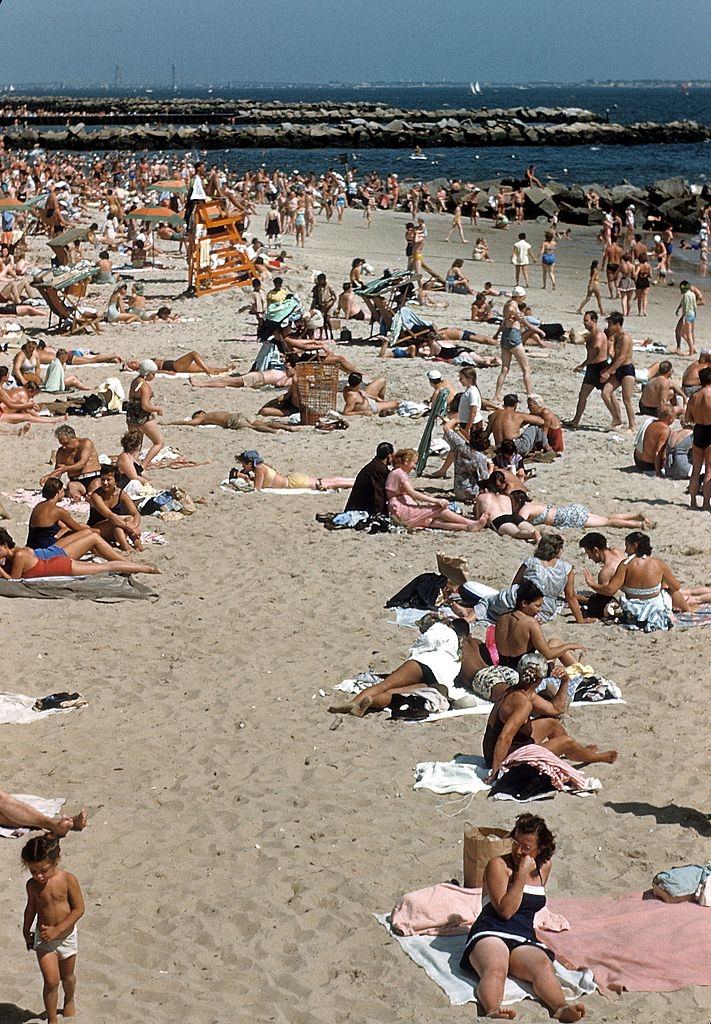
595, 362
619, 374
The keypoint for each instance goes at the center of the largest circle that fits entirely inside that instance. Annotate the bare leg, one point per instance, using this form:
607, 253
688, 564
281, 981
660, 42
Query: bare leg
522, 360
69, 984
407, 676
627, 398
549, 732
503, 374
585, 391
152, 431
490, 960
78, 544
697, 463
608, 397
332, 483
121, 566
532, 965
49, 965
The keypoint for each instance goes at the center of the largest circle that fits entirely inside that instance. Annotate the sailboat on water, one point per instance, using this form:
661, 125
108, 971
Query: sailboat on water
475, 88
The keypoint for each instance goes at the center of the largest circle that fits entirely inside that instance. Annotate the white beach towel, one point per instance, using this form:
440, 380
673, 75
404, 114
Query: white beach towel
229, 488
466, 774
16, 709
439, 956
50, 806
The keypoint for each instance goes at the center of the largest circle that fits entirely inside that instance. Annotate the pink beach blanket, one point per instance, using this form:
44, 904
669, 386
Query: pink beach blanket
635, 943
447, 909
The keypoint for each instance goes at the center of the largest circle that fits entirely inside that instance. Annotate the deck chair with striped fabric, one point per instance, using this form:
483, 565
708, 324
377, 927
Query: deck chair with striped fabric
70, 317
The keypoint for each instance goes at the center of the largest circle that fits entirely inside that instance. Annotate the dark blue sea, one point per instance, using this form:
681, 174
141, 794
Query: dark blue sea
606, 165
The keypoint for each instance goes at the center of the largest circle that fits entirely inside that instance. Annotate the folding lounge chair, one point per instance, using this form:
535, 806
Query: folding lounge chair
70, 317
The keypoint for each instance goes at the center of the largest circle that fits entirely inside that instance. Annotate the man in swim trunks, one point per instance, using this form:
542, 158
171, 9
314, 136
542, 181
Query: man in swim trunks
596, 346
367, 400
698, 412
253, 379
79, 459
690, 381
595, 547
611, 262
619, 374
651, 439
659, 391
506, 425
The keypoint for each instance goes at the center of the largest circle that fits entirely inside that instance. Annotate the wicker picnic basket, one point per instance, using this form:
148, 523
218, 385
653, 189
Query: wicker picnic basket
318, 390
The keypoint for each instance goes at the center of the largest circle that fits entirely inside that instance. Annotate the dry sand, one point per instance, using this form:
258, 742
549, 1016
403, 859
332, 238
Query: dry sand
238, 846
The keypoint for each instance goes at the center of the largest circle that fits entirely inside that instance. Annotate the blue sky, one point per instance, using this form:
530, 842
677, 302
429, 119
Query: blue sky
80, 41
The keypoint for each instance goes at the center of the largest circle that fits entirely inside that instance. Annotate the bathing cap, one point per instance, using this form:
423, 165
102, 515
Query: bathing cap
434, 375
519, 291
147, 366
252, 456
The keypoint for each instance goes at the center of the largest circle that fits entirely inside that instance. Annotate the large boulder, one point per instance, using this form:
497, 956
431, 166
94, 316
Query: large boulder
541, 199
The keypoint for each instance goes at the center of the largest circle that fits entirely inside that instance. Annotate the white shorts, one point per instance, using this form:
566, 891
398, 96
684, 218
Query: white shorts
64, 948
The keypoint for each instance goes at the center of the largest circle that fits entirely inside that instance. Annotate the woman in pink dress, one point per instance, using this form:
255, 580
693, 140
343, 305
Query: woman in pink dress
416, 510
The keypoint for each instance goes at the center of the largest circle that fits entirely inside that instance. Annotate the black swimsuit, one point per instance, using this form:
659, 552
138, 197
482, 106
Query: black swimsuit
702, 435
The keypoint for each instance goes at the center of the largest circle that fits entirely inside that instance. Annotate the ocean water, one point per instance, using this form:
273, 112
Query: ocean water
607, 165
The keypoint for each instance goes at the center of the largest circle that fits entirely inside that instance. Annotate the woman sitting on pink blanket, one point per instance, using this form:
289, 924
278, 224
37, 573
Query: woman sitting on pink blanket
502, 941
416, 510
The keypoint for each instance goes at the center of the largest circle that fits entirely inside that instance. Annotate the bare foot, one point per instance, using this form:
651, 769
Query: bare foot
79, 820
605, 757
501, 1014
23, 429
356, 707
69, 1009
570, 1013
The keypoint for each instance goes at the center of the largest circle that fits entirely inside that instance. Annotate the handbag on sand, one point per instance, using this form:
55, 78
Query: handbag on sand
480, 845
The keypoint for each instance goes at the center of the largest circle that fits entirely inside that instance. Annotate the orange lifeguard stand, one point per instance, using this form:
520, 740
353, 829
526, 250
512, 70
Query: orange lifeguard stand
218, 259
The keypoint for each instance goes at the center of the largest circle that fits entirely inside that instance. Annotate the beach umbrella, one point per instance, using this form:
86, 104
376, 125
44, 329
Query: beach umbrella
155, 214
173, 185
11, 205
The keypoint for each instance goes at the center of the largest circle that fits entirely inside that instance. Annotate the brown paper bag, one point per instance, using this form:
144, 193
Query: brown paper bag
480, 845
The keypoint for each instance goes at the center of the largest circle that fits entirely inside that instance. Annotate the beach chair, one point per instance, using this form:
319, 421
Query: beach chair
70, 318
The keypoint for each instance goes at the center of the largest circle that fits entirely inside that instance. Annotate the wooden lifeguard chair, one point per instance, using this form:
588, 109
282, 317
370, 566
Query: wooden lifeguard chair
218, 258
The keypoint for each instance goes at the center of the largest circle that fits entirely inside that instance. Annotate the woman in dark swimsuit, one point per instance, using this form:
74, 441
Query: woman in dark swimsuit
113, 514
502, 940
52, 530
643, 280
127, 466
516, 633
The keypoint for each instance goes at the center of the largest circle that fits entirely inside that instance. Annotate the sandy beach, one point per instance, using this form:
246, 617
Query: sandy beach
240, 837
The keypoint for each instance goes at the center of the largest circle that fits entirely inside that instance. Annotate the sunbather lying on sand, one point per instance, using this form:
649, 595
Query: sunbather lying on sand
191, 362
253, 379
255, 469
23, 563
231, 421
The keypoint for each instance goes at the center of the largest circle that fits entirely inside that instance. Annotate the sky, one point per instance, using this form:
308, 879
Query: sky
80, 42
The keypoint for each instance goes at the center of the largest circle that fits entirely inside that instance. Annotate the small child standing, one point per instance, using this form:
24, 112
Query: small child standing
55, 900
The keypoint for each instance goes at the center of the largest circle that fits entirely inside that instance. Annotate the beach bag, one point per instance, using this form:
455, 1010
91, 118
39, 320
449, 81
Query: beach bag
480, 845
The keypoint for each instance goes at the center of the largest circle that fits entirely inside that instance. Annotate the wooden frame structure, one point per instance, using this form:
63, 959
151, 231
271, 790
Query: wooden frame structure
217, 256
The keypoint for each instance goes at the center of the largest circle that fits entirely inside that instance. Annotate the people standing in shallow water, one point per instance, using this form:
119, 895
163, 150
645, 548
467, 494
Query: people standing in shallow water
502, 941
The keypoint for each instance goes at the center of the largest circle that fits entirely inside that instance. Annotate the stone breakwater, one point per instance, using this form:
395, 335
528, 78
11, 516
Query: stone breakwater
674, 200
102, 124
